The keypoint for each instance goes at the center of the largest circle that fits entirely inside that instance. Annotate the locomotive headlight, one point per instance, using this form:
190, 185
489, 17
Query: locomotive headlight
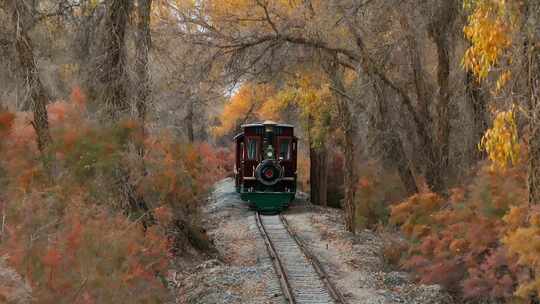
270, 154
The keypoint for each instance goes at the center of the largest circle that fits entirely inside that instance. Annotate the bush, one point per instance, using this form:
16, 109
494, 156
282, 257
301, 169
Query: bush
374, 196
67, 233
393, 249
461, 243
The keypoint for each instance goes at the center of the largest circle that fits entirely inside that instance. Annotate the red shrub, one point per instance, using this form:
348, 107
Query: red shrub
69, 237
459, 243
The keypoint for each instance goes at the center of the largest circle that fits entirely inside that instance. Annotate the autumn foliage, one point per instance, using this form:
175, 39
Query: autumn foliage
69, 235
479, 243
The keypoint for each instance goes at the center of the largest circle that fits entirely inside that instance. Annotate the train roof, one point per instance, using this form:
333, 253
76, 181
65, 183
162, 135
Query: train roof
261, 124
268, 122
238, 136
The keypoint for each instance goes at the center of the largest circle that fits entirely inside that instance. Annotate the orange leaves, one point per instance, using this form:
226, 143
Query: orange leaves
78, 97
246, 14
6, 121
243, 106
364, 183
464, 244
73, 239
416, 210
57, 111
52, 258
163, 214
181, 172
523, 242
69, 238
272, 108
93, 248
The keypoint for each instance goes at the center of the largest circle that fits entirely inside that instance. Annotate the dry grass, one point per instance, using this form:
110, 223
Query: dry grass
12, 288
239, 248
393, 250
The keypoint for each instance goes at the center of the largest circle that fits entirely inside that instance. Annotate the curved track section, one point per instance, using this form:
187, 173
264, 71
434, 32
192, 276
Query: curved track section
302, 278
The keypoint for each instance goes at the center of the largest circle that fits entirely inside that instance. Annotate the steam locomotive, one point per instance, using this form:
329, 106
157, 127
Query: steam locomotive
265, 165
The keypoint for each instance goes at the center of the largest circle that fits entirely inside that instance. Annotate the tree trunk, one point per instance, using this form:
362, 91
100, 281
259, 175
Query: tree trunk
323, 177
443, 117
38, 95
346, 119
318, 175
440, 31
477, 104
143, 47
142, 51
533, 179
421, 122
112, 76
392, 148
420, 85
400, 160
350, 175
190, 121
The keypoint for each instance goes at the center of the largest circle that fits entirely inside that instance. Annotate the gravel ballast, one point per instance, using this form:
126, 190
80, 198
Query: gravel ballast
244, 272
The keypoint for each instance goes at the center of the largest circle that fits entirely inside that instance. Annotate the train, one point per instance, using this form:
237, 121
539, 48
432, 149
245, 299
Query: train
265, 169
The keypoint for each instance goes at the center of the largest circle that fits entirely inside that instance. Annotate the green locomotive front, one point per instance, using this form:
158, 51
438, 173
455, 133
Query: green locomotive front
266, 164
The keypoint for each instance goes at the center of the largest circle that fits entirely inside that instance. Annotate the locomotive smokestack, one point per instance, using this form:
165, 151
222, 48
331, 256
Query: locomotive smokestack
269, 130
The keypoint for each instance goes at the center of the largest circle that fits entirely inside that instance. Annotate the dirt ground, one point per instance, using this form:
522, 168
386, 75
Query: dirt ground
354, 262
244, 272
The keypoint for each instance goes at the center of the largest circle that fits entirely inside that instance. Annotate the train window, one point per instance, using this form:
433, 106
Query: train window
285, 149
242, 151
252, 148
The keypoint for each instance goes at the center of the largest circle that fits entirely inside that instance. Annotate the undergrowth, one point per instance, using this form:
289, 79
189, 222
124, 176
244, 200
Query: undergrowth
481, 243
68, 231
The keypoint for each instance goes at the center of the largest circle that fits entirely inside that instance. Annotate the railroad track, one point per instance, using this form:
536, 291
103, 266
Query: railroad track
302, 278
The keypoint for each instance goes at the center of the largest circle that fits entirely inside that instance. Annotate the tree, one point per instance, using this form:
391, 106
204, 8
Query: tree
533, 55
112, 69
387, 44
345, 116
391, 144
144, 43
494, 29
21, 19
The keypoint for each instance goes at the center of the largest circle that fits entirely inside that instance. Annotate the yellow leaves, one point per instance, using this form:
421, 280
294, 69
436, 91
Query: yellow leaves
68, 71
501, 142
243, 106
516, 217
185, 4
236, 10
489, 29
94, 3
458, 245
350, 77
163, 10
316, 103
503, 79
272, 108
229, 15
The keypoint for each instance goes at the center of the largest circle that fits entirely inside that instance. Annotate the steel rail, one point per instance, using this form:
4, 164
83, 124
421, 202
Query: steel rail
278, 265
334, 292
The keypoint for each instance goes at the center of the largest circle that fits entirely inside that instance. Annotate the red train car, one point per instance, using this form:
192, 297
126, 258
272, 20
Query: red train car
266, 165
